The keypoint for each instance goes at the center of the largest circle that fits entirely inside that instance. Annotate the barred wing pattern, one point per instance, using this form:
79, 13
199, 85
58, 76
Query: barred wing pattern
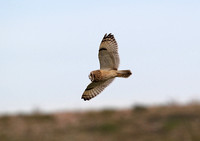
108, 53
94, 88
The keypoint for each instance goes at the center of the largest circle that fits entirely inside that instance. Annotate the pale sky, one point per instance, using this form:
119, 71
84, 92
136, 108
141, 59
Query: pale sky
49, 47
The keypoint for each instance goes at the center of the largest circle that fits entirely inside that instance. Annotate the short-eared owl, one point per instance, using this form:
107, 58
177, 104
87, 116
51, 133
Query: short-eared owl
109, 62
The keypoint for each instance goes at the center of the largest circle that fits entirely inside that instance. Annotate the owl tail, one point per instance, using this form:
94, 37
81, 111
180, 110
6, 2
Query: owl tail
124, 73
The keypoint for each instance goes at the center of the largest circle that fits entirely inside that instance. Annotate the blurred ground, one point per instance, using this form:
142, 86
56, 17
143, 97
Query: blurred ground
160, 123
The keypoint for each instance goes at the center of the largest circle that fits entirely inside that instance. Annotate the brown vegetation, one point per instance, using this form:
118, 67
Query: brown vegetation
163, 123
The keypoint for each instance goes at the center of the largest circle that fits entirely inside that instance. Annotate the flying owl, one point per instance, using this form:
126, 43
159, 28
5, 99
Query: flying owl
109, 63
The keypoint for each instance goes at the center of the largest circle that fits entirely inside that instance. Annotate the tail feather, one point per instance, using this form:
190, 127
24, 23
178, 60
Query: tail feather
124, 73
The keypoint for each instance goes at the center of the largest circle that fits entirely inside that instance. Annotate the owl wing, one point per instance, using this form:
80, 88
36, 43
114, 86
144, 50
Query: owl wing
108, 53
95, 88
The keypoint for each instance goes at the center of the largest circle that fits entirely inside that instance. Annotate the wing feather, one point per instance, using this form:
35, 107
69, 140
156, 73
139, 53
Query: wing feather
108, 53
95, 88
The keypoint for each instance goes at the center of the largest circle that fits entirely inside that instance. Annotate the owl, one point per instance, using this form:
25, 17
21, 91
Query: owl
109, 63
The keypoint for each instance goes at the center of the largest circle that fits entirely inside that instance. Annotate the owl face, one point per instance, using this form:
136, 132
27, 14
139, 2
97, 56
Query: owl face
95, 76
91, 76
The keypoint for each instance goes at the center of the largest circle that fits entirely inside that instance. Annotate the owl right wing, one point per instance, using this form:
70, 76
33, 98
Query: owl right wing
108, 53
95, 88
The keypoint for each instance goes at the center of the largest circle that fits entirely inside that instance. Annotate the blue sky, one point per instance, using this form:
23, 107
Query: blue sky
48, 48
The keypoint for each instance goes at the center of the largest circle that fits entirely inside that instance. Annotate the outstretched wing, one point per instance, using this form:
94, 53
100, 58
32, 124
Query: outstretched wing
108, 53
95, 88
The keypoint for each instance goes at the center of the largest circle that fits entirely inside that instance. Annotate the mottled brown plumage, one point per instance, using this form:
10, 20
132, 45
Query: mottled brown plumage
109, 63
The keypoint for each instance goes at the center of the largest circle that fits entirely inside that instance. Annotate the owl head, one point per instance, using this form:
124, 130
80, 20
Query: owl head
95, 76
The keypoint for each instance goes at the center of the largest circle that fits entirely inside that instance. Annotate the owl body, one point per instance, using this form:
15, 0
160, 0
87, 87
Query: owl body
102, 75
109, 63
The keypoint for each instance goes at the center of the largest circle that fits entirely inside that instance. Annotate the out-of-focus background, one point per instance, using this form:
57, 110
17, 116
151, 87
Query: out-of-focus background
48, 48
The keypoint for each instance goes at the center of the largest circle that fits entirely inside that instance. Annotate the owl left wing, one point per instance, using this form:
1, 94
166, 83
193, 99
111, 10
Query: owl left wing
108, 53
95, 88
